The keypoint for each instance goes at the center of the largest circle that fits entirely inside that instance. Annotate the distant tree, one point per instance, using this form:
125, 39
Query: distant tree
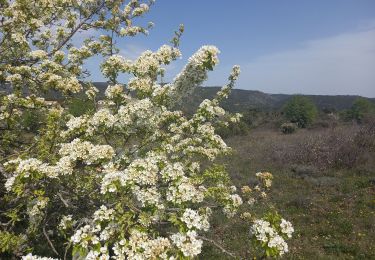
300, 110
361, 109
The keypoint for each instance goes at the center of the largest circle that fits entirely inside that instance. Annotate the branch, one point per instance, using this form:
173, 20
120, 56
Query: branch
77, 28
49, 241
2, 170
218, 246
63, 200
66, 251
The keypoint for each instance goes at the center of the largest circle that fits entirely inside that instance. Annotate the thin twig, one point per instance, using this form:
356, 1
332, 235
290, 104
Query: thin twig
77, 28
218, 246
63, 200
66, 251
49, 241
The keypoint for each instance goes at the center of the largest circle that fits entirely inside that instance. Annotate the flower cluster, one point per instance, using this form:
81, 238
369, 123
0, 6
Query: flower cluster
65, 222
272, 236
114, 91
86, 151
286, 227
35, 257
235, 201
193, 219
140, 246
189, 243
266, 178
195, 72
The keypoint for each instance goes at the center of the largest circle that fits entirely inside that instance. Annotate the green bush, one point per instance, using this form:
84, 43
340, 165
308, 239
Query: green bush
362, 110
233, 129
300, 110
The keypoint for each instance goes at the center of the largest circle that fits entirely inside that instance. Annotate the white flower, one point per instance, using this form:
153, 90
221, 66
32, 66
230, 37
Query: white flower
188, 243
103, 213
65, 221
113, 91
195, 72
192, 219
286, 228
9, 183
140, 246
35, 257
184, 191
86, 151
102, 118
278, 242
262, 230
236, 199
19, 38
38, 54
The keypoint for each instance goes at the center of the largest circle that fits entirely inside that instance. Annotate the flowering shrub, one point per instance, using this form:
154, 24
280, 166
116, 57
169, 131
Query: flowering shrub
125, 180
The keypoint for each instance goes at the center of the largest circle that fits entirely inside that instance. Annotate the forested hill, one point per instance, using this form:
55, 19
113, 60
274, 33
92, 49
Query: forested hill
241, 100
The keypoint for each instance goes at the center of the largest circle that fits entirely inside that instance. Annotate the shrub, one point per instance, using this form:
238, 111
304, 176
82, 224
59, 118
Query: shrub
300, 110
233, 129
288, 128
361, 111
334, 148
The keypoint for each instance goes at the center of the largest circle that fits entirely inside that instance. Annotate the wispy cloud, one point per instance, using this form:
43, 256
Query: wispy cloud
132, 51
342, 64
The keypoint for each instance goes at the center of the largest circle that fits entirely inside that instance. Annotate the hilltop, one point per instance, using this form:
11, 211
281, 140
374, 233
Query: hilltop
241, 100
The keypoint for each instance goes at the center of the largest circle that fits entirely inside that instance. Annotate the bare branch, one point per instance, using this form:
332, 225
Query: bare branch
62, 44
218, 246
63, 200
49, 241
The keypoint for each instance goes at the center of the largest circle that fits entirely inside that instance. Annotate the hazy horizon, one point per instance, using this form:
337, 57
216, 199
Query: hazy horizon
275, 93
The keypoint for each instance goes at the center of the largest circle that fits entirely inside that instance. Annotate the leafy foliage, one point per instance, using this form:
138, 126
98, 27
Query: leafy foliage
361, 110
300, 110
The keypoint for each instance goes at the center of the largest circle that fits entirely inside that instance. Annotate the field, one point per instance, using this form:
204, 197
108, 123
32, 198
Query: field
324, 182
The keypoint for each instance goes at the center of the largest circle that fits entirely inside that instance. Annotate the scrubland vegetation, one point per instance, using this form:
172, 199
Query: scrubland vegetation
324, 180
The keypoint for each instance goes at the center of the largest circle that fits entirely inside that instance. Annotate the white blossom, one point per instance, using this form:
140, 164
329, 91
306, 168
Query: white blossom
35, 257
193, 219
286, 228
188, 243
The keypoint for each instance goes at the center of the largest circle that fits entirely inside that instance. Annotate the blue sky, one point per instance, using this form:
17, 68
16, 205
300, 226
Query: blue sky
290, 46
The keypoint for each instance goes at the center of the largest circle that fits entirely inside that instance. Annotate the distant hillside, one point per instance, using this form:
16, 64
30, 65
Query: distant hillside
338, 102
240, 100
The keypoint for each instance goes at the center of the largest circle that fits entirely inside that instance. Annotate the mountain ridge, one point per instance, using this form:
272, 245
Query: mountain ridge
241, 100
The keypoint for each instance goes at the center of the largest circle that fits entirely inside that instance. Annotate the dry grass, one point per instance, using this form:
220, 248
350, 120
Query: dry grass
324, 183
345, 146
